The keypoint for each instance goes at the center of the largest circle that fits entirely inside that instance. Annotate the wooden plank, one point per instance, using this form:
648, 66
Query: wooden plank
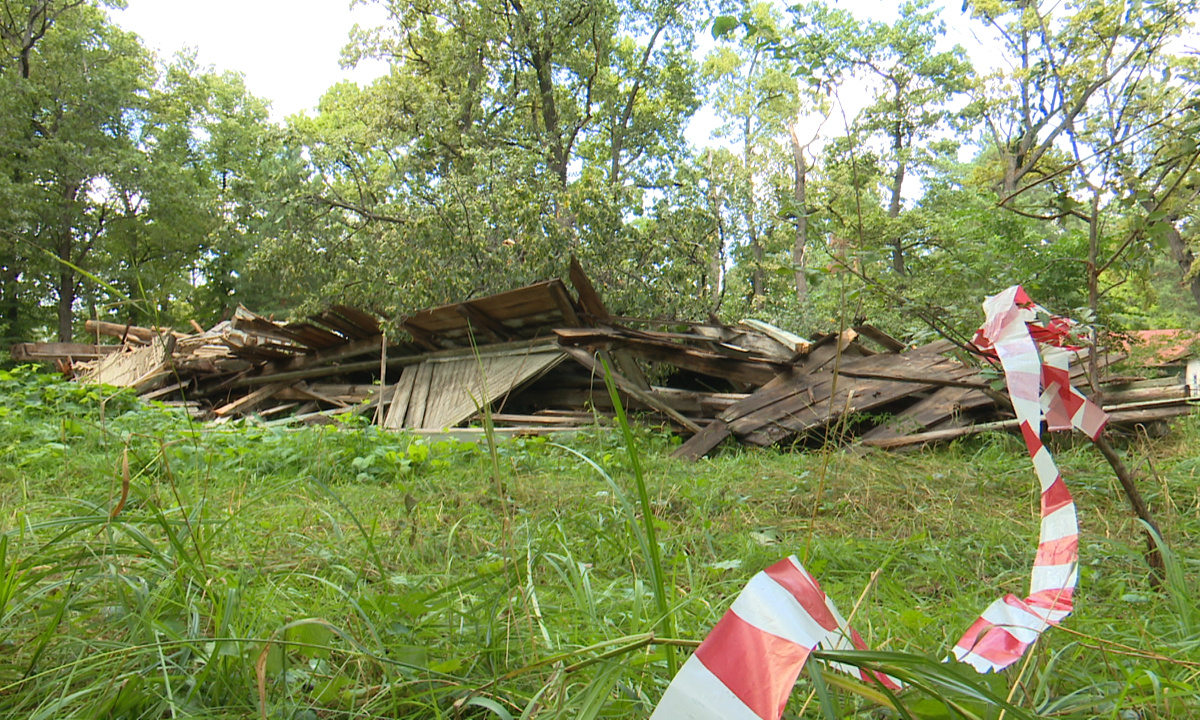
39, 352
887, 342
780, 388
825, 352
1123, 417
703, 442
348, 322
1176, 391
620, 358
400, 399
516, 309
140, 368
585, 358
478, 435
161, 392
940, 435
306, 393
693, 401
799, 401
792, 342
331, 355
799, 415
816, 391
565, 306
461, 386
559, 420
300, 333
1117, 417
124, 332
1137, 383
247, 402
916, 367
943, 404
520, 346
419, 396
588, 297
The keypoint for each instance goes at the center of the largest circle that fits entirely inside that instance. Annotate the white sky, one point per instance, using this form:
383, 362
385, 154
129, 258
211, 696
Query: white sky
289, 50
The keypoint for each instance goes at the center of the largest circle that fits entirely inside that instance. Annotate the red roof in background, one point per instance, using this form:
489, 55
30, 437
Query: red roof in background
1163, 347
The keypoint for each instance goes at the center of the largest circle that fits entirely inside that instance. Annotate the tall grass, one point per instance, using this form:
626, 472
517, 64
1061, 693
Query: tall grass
150, 568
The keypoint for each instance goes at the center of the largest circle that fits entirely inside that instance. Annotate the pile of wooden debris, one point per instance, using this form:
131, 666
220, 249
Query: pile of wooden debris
535, 357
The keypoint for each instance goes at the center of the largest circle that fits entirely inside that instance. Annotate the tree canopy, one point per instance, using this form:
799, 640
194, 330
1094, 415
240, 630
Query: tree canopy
858, 166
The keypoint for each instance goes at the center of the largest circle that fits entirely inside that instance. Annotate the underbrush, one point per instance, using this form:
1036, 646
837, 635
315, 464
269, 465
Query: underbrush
151, 567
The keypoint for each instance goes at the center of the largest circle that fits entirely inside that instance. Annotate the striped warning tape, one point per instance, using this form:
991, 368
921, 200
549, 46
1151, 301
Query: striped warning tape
746, 667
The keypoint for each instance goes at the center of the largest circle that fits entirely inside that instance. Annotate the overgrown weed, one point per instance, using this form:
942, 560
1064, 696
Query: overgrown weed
150, 567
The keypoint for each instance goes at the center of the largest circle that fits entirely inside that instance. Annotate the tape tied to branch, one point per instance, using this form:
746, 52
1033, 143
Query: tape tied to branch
745, 669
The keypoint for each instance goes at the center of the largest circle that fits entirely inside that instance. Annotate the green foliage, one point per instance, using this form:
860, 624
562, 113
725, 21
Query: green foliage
506, 137
153, 567
126, 184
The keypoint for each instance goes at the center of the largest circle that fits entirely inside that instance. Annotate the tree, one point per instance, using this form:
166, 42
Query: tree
1090, 133
115, 171
913, 88
508, 135
759, 100
66, 134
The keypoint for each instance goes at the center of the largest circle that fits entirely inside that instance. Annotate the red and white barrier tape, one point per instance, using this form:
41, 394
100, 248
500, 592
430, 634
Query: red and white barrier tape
746, 667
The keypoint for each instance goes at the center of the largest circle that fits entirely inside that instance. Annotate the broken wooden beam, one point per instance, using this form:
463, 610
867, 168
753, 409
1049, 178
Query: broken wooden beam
248, 402
124, 332
51, 351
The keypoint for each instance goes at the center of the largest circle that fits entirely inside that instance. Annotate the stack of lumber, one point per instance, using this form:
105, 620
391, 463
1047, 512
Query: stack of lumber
535, 359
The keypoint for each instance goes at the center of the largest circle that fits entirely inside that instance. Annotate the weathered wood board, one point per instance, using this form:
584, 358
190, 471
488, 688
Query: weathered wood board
143, 368
443, 392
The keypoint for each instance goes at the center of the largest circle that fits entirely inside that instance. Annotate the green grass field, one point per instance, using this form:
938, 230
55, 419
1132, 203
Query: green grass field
152, 568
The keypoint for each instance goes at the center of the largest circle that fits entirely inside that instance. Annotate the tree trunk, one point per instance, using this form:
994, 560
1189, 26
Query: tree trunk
894, 204
66, 293
756, 251
800, 195
10, 297
67, 282
1093, 287
622, 127
1182, 255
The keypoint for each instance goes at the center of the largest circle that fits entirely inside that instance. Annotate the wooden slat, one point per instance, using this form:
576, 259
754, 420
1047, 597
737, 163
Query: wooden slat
887, 342
400, 398
943, 404
140, 368
125, 332
309, 394
460, 387
588, 297
798, 401
419, 398
565, 306
515, 308
250, 400
421, 335
593, 306
27, 352
849, 396
703, 442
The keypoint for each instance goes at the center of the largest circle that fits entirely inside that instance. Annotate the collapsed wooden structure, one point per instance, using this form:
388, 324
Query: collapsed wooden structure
535, 359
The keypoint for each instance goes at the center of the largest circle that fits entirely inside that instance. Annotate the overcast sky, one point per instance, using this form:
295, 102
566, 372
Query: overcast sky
289, 49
